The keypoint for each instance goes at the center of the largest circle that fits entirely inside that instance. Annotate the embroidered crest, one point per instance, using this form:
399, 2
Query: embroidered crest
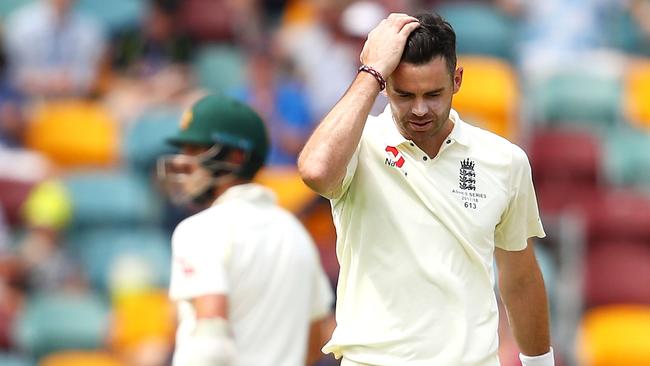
467, 175
186, 119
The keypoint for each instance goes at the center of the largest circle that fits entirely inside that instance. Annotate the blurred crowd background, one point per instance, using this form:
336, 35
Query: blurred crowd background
89, 89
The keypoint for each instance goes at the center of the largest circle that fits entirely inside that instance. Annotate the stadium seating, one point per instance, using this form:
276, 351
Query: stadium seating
104, 198
481, 29
81, 358
115, 15
144, 140
74, 133
208, 20
567, 167
142, 317
13, 194
565, 155
625, 34
637, 94
615, 335
618, 273
52, 322
220, 68
8, 359
489, 95
8, 6
627, 158
575, 96
123, 259
289, 188
618, 215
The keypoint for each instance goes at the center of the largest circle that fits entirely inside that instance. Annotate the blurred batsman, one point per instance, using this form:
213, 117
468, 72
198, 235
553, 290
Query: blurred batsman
246, 275
423, 202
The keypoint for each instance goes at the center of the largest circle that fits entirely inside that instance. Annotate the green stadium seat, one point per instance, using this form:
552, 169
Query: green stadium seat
107, 198
123, 259
52, 322
8, 359
8, 6
480, 29
115, 14
144, 140
575, 97
625, 34
627, 158
220, 68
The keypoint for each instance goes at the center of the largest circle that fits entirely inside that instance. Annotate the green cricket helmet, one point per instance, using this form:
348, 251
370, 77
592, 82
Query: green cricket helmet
233, 141
219, 120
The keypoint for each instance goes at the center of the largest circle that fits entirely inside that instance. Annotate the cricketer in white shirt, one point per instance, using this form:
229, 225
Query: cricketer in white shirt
416, 238
262, 258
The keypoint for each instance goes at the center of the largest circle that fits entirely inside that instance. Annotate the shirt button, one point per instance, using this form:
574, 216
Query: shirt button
425, 158
449, 141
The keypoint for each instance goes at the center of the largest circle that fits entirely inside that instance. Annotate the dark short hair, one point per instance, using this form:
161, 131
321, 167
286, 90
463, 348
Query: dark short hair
433, 38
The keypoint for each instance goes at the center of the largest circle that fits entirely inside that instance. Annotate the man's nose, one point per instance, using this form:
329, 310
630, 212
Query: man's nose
419, 107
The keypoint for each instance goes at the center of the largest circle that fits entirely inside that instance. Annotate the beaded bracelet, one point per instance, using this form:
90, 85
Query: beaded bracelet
376, 74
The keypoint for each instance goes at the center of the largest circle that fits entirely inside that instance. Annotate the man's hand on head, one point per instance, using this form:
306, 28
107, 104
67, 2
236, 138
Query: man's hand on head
385, 44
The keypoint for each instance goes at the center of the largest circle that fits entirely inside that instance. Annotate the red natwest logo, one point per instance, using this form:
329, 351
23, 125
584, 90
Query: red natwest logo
395, 157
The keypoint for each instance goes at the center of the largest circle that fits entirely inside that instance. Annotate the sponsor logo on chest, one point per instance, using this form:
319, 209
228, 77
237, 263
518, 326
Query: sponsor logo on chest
395, 159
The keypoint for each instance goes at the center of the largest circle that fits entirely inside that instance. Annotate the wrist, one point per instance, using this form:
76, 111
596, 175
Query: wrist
375, 74
546, 359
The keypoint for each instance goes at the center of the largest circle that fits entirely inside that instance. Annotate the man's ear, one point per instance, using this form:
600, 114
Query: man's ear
458, 78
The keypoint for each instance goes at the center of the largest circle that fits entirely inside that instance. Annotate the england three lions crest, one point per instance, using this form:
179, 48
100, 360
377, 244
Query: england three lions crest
467, 178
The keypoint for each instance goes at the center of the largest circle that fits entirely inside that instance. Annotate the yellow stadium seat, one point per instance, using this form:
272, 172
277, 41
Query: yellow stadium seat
615, 335
489, 95
80, 358
291, 192
636, 100
140, 318
74, 133
299, 12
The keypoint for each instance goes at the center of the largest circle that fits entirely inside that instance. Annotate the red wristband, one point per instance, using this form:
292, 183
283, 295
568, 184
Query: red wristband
376, 74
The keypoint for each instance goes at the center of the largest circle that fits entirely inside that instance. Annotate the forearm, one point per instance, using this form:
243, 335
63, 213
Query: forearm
323, 160
527, 308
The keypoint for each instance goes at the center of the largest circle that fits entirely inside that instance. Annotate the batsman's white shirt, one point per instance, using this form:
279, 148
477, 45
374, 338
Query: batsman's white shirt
416, 238
262, 258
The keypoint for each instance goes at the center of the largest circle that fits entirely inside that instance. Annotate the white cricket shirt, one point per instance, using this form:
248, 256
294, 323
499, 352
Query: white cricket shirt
415, 243
262, 258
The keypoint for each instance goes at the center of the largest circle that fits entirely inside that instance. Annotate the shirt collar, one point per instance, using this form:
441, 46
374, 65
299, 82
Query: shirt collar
250, 192
395, 138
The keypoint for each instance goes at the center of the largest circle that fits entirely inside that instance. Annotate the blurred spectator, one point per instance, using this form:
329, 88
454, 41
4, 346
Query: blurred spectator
12, 119
281, 103
158, 44
47, 213
557, 31
326, 51
52, 50
228, 21
4, 232
631, 28
12, 295
11, 114
640, 9
151, 63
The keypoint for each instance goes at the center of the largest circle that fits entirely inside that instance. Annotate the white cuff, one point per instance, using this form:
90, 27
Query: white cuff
541, 360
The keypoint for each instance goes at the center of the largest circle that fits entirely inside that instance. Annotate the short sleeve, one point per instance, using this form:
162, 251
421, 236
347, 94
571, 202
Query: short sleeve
520, 220
350, 170
323, 297
198, 265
